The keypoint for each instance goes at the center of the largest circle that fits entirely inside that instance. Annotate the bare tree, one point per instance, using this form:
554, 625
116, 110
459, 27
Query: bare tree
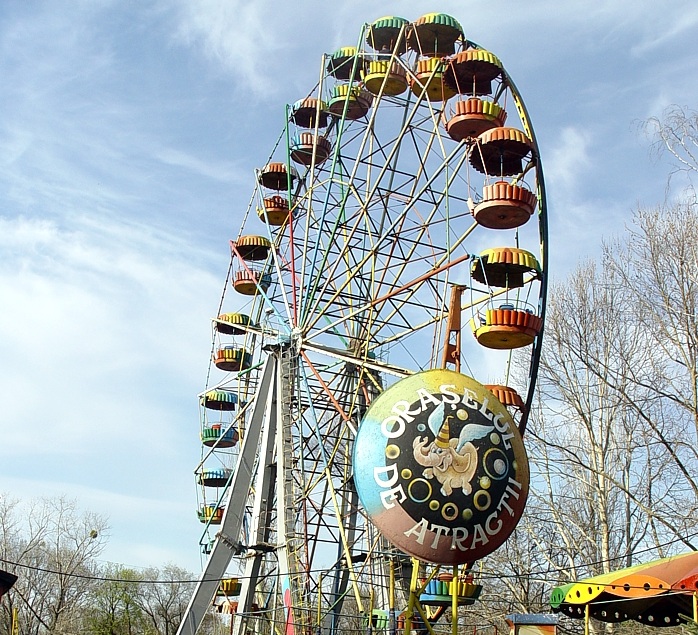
612, 440
656, 266
52, 547
164, 597
676, 133
583, 439
595, 472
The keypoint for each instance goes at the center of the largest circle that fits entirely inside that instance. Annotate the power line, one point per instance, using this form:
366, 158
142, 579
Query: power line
537, 576
85, 576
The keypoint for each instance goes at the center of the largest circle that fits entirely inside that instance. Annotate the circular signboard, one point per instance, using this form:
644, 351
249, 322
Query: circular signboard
440, 467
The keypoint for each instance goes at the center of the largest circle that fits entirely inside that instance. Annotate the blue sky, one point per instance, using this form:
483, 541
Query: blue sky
129, 132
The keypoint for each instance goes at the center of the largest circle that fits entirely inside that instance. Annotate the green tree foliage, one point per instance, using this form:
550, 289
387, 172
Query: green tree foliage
113, 608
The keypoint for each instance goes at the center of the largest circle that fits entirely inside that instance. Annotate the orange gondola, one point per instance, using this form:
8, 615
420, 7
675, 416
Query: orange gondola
274, 210
471, 117
505, 206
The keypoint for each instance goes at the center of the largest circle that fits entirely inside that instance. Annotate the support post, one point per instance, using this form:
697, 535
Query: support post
586, 619
392, 625
261, 509
452, 341
226, 545
454, 601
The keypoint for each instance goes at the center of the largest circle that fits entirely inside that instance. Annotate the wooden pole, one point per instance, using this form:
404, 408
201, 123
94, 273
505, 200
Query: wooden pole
454, 596
452, 340
392, 622
586, 619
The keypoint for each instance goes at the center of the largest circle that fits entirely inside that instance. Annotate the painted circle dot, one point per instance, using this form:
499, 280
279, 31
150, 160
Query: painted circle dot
421, 427
485, 482
419, 490
515, 465
494, 438
482, 500
434, 505
406, 474
462, 414
499, 466
467, 514
392, 451
449, 511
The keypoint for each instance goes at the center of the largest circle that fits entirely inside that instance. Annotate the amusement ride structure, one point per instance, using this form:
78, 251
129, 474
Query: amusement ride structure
362, 422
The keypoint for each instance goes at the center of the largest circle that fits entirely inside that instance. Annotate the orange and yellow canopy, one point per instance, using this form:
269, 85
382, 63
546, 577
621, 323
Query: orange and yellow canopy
657, 593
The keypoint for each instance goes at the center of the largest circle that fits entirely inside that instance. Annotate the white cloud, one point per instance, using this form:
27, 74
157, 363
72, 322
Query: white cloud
667, 28
567, 163
227, 172
242, 36
104, 338
107, 219
92, 324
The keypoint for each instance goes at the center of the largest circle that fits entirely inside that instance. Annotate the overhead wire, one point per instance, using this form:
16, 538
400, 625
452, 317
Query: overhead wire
537, 576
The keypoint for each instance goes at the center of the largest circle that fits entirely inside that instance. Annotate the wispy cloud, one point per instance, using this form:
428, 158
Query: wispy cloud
104, 336
243, 36
567, 163
670, 26
227, 172
91, 313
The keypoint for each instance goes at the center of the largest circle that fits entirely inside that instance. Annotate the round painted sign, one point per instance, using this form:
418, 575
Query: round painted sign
440, 467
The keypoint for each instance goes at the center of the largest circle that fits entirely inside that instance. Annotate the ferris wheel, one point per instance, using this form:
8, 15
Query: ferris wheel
362, 419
